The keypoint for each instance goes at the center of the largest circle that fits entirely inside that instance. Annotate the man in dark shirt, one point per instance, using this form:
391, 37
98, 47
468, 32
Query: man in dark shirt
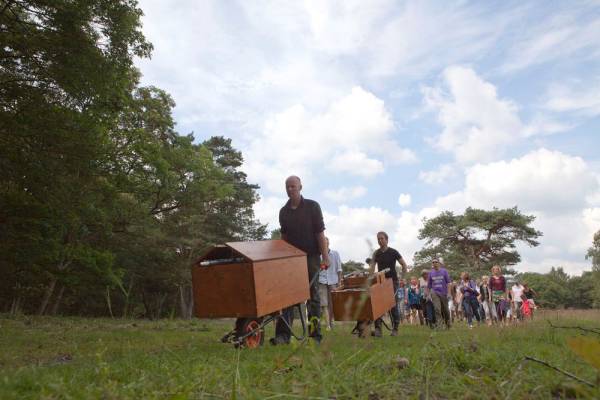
385, 257
301, 222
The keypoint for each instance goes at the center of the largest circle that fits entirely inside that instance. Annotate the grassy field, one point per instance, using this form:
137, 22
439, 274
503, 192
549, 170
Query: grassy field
51, 358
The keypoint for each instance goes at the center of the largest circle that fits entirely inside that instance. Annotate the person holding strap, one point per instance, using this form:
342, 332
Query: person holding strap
301, 222
385, 258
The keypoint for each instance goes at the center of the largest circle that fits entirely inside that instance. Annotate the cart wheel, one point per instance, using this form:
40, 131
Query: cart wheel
257, 338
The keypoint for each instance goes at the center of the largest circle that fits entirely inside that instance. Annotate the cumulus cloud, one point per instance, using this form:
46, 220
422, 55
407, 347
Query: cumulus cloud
553, 186
346, 138
404, 199
266, 210
350, 230
345, 193
439, 175
478, 125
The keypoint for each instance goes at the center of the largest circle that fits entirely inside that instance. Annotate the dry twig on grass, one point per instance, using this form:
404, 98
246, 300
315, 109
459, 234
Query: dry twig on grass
570, 375
592, 330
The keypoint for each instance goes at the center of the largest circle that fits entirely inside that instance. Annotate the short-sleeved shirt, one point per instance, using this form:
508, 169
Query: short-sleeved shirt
330, 276
497, 283
387, 259
517, 292
302, 225
438, 281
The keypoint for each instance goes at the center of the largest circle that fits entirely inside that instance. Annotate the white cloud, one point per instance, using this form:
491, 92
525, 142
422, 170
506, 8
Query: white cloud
477, 124
266, 210
423, 36
568, 33
554, 187
543, 180
346, 138
356, 163
439, 175
351, 229
404, 199
581, 98
345, 193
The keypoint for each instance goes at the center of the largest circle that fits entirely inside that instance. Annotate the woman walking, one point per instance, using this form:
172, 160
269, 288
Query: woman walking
415, 295
485, 296
499, 293
470, 305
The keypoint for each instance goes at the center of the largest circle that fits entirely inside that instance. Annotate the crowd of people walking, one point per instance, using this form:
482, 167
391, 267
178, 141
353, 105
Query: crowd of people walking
434, 298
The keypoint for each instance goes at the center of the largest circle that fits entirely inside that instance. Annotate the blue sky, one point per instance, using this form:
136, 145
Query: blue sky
392, 112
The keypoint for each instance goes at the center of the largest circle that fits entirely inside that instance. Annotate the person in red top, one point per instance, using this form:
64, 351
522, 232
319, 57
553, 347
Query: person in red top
499, 291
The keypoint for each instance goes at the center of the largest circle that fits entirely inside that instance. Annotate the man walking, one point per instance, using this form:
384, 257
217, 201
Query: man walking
439, 291
329, 279
301, 222
385, 258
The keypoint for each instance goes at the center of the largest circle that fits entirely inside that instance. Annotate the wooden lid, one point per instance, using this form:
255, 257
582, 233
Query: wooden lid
265, 249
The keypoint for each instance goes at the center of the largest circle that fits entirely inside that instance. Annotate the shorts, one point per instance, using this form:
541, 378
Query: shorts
324, 292
415, 306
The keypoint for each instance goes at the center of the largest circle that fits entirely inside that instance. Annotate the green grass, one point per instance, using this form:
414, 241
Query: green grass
52, 358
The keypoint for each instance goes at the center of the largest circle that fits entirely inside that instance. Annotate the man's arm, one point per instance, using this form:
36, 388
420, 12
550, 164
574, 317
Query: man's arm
403, 264
323, 248
372, 263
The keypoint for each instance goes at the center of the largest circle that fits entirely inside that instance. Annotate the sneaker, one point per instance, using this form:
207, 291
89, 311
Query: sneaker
394, 332
470, 326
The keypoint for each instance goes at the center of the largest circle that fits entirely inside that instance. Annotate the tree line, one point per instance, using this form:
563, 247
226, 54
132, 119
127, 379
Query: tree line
103, 205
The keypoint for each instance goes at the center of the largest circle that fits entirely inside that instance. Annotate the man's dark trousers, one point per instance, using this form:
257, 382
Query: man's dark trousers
314, 304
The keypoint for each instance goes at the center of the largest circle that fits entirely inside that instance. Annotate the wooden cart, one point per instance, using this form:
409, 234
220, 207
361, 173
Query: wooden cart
363, 297
253, 282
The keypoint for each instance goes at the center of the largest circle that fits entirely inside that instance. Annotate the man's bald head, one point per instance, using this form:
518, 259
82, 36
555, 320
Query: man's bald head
293, 178
293, 186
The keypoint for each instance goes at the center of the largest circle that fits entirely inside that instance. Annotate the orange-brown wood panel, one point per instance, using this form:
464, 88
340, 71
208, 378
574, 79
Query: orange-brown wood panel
222, 291
362, 303
280, 283
382, 298
351, 304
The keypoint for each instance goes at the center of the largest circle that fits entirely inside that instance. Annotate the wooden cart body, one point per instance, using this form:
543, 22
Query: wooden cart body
271, 275
363, 298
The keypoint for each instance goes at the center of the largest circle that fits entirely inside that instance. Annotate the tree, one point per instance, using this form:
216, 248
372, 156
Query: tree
593, 253
66, 68
353, 266
477, 239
